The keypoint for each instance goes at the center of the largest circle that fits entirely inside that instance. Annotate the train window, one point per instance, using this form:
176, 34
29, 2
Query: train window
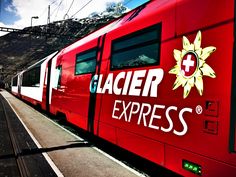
141, 48
86, 62
59, 71
14, 81
31, 78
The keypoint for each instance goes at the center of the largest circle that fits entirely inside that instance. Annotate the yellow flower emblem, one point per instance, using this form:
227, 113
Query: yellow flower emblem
191, 65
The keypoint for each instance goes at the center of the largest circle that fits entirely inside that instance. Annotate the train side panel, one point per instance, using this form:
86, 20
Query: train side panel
33, 81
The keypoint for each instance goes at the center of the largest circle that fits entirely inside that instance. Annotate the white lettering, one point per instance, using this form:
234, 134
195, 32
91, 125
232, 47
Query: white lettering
149, 115
144, 114
99, 89
132, 111
154, 116
115, 109
124, 110
136, 82
117, 90
169, 119
127, 81
108, 84
154, 78
185, 127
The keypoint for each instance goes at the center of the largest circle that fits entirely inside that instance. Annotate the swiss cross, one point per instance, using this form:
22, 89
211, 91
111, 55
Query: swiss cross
188, 63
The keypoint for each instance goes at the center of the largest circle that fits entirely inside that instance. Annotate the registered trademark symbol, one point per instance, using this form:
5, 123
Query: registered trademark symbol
198, 109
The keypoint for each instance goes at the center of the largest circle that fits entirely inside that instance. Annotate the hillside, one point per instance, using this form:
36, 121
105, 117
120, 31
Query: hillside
18, 50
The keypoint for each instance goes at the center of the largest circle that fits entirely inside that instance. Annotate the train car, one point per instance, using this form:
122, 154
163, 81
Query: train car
32, 83
159, 81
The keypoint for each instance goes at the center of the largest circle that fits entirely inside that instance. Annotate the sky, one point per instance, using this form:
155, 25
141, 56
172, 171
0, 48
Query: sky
18, 13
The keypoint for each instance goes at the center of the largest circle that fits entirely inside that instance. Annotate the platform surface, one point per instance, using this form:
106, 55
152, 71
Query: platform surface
71, 155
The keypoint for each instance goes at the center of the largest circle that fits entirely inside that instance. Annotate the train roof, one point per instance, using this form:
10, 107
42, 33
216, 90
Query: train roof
42, 60
124, 19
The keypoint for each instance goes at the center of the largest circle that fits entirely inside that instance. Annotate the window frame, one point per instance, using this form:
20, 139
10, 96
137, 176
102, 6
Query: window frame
87, 59
14, 79
156, 27
28, 71
59, 67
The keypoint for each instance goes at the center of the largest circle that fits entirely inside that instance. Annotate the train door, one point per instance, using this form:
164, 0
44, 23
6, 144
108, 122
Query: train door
94, 54
94, 102
232, 139
46, 71
78, 68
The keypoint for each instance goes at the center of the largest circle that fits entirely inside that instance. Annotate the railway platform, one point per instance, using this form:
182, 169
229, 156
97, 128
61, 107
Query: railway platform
33, 145
18, 152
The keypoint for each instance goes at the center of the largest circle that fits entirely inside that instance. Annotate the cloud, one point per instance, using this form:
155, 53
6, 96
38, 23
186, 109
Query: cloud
10, 8
58, 8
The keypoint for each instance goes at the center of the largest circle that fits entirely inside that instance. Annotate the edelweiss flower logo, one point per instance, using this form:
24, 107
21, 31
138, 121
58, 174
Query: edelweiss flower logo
191, 65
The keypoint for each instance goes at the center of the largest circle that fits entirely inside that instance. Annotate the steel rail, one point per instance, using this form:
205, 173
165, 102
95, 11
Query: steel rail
16, 149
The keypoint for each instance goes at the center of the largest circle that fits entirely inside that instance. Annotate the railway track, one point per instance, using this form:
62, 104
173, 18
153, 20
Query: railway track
19, 155
14, 144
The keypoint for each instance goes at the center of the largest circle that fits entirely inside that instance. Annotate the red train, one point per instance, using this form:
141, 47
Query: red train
160, 82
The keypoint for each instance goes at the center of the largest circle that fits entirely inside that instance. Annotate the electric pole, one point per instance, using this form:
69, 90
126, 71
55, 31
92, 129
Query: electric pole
48, 14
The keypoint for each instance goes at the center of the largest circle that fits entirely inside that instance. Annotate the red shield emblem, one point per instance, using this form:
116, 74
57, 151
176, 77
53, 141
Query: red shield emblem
189, 64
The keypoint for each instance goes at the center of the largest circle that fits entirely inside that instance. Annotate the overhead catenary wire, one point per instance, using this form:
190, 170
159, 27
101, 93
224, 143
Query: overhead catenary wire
81, 8
125, 3
69, 7
46, 8
71, 4
53, 11
58, 8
